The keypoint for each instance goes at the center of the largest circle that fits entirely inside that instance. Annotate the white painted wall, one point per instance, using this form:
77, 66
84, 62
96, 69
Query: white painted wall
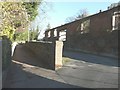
13, 47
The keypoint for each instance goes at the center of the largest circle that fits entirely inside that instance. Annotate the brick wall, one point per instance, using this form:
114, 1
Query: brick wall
49, 53
104, 44
100, 38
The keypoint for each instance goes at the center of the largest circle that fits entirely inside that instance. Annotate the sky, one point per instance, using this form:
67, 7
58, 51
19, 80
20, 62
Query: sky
62, 10
57, 15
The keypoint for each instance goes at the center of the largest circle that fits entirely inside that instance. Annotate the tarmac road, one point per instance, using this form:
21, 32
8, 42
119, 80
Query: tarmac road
81, 71
26, 72
90, 71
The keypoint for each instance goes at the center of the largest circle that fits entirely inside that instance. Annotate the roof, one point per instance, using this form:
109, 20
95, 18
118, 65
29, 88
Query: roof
86, 17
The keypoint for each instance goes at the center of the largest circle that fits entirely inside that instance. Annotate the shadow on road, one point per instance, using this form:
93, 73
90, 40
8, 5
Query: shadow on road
19, 78
91, 58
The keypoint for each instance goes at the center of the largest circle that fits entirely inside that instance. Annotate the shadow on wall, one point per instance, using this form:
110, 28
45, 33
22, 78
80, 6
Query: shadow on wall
24, 79
25, 55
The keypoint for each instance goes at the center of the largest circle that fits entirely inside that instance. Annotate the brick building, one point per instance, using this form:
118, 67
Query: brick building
91, 29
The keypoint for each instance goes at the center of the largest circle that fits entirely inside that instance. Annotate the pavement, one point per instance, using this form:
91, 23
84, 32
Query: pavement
80, 71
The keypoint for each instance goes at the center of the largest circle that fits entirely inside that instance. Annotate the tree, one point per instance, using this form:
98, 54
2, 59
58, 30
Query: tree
114, 5
34, 34
48, 26
13, 16
31, 8
16, 14
21, 36
81, 14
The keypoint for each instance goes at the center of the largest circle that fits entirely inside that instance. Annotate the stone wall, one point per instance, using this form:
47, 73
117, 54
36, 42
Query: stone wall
49, 53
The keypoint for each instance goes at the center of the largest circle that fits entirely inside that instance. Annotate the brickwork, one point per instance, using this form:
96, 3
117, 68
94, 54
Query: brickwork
49, 53
99, 37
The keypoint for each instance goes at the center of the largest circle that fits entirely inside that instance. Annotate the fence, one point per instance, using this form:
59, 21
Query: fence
5, 54
0, 64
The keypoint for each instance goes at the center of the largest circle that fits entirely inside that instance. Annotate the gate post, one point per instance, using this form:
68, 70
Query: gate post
58, 54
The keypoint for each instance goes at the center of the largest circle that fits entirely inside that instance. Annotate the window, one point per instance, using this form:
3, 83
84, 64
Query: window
115, 20
55, 33
85, 26
49, 34
62, 35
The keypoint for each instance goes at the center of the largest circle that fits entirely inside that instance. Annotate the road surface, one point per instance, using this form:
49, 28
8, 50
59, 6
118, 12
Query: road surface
81, 71
27, 72
89, 70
